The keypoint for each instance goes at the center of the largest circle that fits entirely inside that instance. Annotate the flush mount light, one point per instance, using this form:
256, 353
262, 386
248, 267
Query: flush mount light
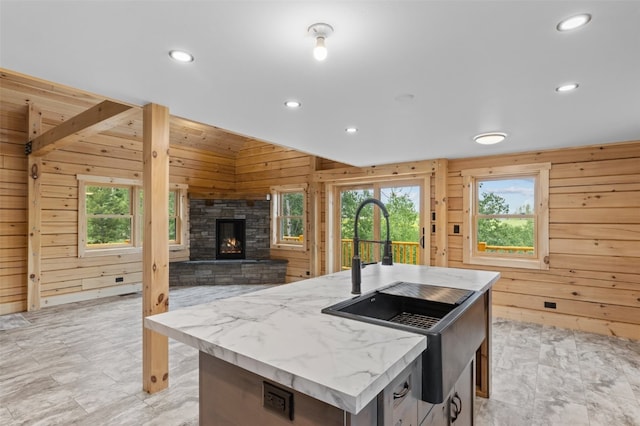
292, 104
568, 87
490, 138
573, 22
181, 56
351, 130
320, 32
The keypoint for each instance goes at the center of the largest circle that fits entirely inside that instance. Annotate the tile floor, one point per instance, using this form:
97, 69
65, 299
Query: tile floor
80, 364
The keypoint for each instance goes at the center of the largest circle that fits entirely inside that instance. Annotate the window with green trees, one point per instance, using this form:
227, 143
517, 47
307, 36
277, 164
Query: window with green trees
289, 216
506, 216
402, 204
110, 215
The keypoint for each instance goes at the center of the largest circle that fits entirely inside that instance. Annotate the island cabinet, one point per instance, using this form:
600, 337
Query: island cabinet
273, 357
230, 395
233, 396
457, 408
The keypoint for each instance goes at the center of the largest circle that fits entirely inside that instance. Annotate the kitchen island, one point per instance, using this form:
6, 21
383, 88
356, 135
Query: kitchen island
331, 369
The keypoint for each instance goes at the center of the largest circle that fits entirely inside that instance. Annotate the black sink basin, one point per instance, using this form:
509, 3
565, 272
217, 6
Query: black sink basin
452, 319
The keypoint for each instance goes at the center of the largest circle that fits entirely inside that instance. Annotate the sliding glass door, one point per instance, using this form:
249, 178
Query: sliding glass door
405, 203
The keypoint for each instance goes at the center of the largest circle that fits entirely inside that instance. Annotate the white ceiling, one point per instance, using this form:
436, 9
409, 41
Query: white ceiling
472, 66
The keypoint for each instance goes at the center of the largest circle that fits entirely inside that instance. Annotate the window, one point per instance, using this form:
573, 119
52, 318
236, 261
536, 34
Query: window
506, 216
289, 216
110, 216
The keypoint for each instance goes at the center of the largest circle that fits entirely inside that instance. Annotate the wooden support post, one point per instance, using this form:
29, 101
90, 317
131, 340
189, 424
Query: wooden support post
313, 229
34, 255
442, 235
155, 250
483, 354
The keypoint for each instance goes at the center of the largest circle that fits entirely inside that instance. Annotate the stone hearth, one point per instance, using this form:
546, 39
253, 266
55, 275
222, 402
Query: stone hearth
204, 269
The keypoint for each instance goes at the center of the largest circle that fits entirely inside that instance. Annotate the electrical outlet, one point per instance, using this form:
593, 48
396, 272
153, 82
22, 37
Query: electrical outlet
119, 279
550, 305
456, 229
277, 400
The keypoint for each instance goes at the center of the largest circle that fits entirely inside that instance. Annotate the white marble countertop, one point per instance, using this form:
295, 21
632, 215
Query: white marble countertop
280, 333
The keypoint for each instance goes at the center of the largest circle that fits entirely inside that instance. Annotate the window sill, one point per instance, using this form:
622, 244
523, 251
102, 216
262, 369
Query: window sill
124, 251
293, 247
110, 252
504, 262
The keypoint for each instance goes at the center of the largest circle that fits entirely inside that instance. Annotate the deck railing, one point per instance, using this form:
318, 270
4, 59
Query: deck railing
407, 252
402, 251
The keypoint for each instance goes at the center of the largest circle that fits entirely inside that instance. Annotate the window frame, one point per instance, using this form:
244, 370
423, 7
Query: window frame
470, 253
137, 219
276, 217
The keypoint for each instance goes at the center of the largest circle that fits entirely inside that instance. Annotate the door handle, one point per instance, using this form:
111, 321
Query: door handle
405, 390
422, 238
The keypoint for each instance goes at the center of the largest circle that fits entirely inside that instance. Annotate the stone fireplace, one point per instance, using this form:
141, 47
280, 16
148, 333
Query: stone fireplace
203, 234
229, 244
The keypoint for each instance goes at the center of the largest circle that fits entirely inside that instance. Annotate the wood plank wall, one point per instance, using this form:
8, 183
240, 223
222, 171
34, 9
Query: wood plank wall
13, 209
259, 166
116, 153
594, 275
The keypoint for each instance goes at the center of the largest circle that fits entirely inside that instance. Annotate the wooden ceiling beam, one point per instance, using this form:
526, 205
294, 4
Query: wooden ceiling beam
101, 117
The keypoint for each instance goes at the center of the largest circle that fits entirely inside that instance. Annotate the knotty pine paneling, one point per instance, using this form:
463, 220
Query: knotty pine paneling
13, 209
594, 231
260, 166
115, 153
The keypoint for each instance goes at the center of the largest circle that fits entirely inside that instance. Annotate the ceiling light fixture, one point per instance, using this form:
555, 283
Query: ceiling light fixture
181, 56
320, 32
568, 87
351, 130
292, 104
573, 22
490, 138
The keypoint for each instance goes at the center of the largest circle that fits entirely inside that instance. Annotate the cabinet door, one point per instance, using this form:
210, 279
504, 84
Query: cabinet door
438, 416
461, 399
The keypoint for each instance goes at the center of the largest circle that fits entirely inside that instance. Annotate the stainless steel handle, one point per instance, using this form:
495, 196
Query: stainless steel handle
405, 390
456, 402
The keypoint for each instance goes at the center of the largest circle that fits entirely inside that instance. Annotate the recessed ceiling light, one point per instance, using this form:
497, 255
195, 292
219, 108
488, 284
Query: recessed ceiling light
573, 22
490, 138
567, 87
181, 56
404, 97
292, 104
351, 130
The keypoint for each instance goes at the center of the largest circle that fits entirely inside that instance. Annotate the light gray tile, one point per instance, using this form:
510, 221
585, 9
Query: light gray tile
556, 384
520, 358
12, 321
558, 412
5, 417
81, 364
513, 386
492, 412
602, 372
525, 335
608, 409
558, 337
559, 356
589, 342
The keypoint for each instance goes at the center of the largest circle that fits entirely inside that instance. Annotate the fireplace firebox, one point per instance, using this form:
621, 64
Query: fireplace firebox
230, 239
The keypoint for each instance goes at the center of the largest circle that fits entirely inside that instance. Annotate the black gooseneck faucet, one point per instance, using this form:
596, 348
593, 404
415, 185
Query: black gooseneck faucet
356, 264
